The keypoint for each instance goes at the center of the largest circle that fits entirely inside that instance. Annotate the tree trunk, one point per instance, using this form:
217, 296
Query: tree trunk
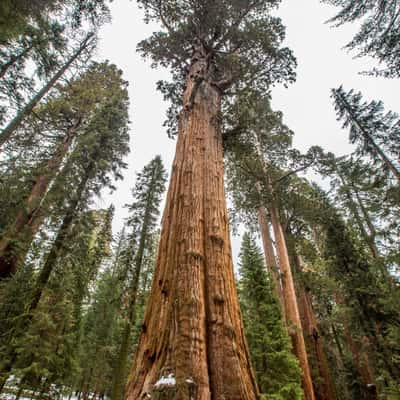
290, 302
118, 386
27, 109
269, 254
19, 393
353, 208
45, 272
325, 391
192, 345
372, 232
360, 359
362, 363
57, 246
18, 237
368, 237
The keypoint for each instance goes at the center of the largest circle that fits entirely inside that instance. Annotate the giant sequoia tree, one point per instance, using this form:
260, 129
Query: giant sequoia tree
192, 344
257, 157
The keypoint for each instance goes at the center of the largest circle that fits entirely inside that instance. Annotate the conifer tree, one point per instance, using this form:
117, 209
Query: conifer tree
12, 126
257, 155
192, 344
26, 15
376, 134
85, 105
91, 167
144, 211
276, 367
379, 31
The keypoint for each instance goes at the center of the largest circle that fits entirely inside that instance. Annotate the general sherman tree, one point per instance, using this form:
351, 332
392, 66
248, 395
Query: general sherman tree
192, 345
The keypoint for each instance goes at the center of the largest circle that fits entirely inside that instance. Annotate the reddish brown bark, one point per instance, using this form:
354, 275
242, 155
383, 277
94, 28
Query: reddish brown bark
290, 304
19, 235
193, 330
269, 254
324, 391
363, 366
360, 358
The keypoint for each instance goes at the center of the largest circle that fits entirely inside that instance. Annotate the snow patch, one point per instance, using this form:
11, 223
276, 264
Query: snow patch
168, 381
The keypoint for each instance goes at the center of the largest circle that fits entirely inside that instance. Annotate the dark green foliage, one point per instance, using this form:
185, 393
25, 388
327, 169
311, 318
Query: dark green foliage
26, 15
241, 41
42, 346
371, 300
276, 367
21, 12
144, 212
379, 33
376, 133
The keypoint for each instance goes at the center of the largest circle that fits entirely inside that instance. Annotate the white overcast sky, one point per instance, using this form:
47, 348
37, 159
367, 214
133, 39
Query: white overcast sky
307, 107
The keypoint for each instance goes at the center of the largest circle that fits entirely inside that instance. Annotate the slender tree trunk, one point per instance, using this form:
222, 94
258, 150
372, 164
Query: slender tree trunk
193, 333
47, 268
19, 393
364, 233
269, 254
368, 237
360, 360
18, 237
290, 302
56, 248
309, 322
13, 59
118, 386
27, 109
371, 228
362, 363
3, 382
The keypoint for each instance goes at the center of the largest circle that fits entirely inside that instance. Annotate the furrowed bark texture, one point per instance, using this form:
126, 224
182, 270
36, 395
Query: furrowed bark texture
193, 330
290, 304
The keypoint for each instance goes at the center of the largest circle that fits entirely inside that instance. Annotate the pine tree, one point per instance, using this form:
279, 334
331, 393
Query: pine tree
361, 298
12, 126
193, 331
85, 104
276, 367
144, 211
27, 14
379, 31
375, 133
91, 167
